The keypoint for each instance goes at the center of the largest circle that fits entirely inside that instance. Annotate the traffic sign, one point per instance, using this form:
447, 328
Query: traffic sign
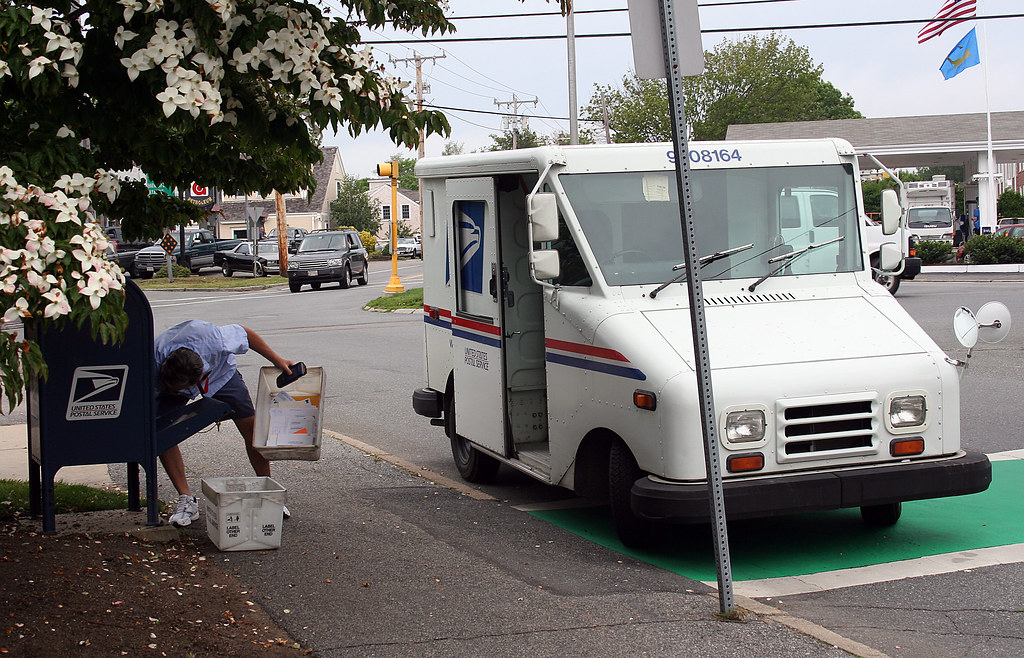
168, 243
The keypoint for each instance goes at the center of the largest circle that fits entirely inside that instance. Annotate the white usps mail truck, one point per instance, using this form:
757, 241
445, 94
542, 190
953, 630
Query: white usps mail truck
558, 333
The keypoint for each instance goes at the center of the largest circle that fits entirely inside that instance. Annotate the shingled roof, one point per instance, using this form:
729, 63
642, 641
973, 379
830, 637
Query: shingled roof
234, 211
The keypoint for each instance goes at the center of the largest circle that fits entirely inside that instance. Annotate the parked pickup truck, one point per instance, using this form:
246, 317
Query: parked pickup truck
122, 251
200, 246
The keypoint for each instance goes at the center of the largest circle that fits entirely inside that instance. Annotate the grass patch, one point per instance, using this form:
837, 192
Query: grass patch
211, 282
412, 298
14, 501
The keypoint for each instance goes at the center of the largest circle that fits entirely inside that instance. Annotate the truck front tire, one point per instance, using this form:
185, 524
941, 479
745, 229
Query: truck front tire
881, 515
623, 471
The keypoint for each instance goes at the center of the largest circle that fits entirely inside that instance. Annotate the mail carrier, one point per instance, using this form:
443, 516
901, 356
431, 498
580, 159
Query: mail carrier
558, 334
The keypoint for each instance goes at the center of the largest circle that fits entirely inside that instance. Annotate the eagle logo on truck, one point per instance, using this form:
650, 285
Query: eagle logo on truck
471, 236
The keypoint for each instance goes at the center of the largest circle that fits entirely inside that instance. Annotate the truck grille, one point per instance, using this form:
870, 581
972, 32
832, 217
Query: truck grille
157, 259
825, 429
317, 264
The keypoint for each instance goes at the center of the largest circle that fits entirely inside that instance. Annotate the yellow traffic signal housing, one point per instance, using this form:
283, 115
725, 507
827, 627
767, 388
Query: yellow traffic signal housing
389, 169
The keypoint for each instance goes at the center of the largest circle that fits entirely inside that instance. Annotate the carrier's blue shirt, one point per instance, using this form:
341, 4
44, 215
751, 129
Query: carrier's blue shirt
215, 345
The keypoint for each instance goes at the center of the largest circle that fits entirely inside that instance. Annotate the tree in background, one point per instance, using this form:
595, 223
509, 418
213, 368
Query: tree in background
355, 208
636, 112
453, 148
753, 80
233, 95
406, 172
525, 139
1010, 204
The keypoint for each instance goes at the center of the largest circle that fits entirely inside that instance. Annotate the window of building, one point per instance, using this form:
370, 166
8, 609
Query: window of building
405, 211
385, 212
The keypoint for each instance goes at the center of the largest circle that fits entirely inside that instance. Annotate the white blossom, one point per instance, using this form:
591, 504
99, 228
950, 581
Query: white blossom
58, 303
38, 65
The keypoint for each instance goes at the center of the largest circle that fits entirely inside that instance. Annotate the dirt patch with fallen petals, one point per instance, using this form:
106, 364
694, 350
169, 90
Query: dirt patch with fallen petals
110, 593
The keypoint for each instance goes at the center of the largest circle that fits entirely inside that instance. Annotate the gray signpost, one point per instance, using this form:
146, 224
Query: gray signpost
677, 24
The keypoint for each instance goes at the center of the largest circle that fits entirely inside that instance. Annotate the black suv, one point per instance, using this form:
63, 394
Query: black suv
325, 257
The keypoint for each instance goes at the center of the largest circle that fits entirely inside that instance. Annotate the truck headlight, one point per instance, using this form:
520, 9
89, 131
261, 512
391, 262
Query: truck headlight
744, 426
908, 411
335, 262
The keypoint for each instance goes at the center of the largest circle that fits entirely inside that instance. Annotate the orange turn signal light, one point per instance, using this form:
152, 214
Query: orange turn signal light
745, 462
906, 447
645, 400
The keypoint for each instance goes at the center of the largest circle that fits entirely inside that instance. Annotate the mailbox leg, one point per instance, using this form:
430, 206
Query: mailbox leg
152, 497
133, 487
35, 494
49, 504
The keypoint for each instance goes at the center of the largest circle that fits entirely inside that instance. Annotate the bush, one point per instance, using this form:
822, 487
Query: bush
369, 240
179, 272
934, 251
994, 249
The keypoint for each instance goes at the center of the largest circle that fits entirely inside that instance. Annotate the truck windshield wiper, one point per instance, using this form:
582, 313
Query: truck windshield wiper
704, 260
789, 258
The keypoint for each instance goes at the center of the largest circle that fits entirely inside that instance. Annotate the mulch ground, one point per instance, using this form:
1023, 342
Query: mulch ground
110, 594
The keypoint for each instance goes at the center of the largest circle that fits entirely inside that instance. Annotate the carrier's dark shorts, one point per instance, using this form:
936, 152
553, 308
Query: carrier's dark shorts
233, 393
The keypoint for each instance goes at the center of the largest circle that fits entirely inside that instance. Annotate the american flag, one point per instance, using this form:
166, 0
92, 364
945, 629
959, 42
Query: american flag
952, 13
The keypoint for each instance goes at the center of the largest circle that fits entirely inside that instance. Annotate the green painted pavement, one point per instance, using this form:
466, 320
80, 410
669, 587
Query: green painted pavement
826, 541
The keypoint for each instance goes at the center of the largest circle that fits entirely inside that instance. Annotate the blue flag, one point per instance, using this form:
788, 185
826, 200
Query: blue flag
963, 56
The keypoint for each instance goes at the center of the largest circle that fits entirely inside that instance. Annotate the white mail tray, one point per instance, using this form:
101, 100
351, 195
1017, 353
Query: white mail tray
289, 419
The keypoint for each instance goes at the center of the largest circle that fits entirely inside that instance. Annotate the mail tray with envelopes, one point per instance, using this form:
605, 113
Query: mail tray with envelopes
289, 417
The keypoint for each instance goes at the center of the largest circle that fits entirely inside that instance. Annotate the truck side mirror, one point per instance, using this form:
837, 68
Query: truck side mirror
892, 212
545, 264
890, 256
543, 215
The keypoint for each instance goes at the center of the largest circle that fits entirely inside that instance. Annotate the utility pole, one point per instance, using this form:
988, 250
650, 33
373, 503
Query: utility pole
570, 30
607, 127
417, 59
515, 122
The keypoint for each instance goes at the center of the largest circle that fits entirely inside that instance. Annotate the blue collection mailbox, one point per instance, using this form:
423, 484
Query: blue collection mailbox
98, 406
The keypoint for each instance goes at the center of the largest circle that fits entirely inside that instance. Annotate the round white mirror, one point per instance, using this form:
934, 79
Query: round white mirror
993, 322
965, 326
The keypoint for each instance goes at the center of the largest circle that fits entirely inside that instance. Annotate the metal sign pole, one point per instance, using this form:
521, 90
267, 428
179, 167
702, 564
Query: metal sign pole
712, 462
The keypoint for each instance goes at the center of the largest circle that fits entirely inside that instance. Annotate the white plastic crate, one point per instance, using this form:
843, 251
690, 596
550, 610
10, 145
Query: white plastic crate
244, 513
307, 393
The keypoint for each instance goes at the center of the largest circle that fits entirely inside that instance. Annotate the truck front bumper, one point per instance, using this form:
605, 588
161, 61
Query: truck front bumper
911, 267
810, 492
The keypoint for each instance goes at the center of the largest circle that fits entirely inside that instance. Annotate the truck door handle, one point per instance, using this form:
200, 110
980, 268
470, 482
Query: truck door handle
492, 287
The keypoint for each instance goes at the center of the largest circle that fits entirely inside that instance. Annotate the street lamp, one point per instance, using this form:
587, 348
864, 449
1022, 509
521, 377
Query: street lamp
390, 170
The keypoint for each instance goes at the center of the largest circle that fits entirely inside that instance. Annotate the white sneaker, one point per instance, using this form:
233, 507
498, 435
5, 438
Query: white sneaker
287, 513
186, 512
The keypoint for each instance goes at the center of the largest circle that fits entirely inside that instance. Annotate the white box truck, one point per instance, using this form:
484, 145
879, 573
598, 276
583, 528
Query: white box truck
558, 334
930, 209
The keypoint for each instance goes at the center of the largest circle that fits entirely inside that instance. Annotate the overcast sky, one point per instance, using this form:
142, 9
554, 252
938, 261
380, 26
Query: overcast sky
882, 67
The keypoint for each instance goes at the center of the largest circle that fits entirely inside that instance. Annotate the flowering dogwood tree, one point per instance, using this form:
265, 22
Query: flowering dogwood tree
232, 93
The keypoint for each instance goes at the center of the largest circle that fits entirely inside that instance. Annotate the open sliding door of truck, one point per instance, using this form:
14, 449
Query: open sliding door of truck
476, 321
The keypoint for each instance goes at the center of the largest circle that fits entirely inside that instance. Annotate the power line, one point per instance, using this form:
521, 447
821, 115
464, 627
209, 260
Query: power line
779, 28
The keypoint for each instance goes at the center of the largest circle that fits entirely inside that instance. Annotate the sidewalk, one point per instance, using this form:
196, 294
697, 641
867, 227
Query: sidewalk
14, 461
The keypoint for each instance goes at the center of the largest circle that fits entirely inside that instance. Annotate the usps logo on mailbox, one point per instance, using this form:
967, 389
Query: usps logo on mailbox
96, 392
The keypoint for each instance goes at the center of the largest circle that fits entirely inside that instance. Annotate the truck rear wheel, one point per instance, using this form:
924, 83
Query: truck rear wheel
623, 471
881, 515
473, 465
225, 269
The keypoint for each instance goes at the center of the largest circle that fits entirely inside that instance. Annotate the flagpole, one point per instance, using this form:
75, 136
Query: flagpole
991, 206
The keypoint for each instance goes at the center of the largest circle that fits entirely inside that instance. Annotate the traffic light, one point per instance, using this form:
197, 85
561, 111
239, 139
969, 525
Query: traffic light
389, 169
